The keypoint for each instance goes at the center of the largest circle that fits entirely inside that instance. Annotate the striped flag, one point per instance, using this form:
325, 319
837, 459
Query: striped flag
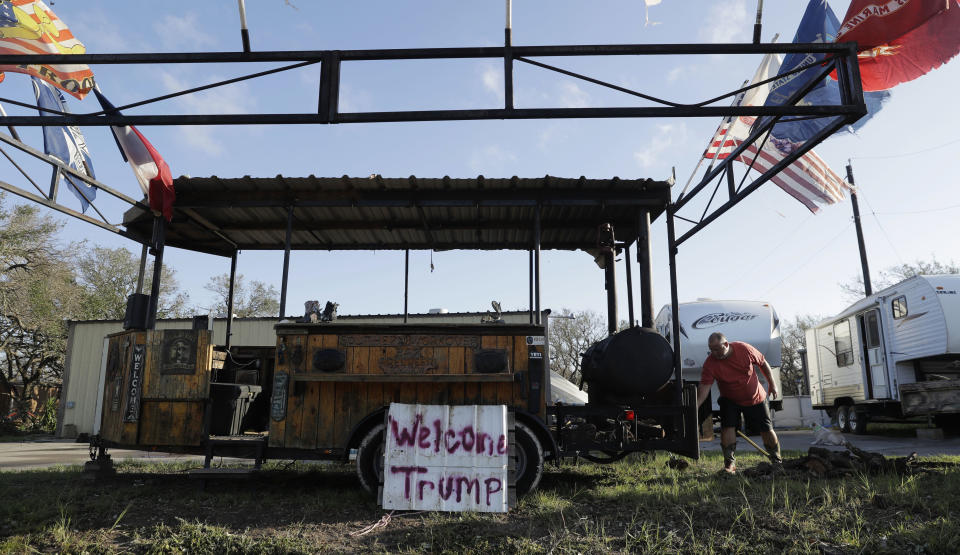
151, 170
808, 179
30, 27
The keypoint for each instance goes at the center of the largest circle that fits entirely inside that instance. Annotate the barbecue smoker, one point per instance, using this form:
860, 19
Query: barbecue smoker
628, 383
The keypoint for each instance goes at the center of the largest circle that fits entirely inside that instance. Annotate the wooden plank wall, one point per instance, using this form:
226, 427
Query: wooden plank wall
323, 414
171, 406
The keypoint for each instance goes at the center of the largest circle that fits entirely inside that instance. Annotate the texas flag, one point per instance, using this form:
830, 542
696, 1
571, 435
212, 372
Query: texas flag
151, 170
900, 40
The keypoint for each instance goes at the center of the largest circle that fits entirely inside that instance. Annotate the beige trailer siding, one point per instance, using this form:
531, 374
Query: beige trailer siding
78, 402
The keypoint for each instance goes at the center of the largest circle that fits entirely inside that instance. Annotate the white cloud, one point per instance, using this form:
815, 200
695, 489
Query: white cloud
572, 96
492, 80
179, 32
230, 99
235, 98
353, 99
550, 136
201, 138
490, 159
668, 135
729, 22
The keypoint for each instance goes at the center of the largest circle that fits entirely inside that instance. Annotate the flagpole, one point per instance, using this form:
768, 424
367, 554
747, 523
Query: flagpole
13, 130
244, 34
757, 25
867, 288
736, 100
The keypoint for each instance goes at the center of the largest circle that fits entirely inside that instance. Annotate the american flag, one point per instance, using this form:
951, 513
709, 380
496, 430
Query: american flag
808, 179
30, 27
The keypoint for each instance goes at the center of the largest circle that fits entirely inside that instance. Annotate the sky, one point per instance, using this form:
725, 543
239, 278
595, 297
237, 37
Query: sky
769, 247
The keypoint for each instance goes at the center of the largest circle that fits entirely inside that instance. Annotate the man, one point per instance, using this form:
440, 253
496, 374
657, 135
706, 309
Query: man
731, 365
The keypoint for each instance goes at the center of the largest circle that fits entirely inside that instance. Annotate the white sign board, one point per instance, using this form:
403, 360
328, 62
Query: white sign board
446, 458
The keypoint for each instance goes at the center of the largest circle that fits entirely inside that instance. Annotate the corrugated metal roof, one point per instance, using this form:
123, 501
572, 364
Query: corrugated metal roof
217, 215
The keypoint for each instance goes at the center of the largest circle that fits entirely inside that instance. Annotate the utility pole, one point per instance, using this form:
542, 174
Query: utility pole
864, 267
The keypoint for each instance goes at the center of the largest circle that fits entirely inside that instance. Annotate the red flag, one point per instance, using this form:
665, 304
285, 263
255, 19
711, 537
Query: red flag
900, 40
151, 170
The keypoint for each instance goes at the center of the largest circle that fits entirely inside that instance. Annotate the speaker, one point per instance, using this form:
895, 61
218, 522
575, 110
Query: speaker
203, 322
136, 315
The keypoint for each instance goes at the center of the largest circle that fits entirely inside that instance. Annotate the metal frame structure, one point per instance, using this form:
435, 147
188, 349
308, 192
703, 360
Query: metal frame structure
839, 57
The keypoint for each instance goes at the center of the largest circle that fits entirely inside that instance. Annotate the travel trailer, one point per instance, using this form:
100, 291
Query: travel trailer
753, 322
891, 355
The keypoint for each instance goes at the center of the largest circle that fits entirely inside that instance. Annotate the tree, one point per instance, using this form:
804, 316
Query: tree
853, 290
572, 333
793, 338
261, 299
37, 293
110, 275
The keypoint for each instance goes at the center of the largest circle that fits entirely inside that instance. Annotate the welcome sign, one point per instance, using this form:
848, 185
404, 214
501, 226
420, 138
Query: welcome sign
446, 458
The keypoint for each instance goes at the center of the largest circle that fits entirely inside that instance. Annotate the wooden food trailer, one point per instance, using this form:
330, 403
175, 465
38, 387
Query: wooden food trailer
323, 392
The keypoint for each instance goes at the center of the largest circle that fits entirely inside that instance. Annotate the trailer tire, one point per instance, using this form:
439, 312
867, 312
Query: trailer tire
370, 459
843, 418
858, 421
528, 459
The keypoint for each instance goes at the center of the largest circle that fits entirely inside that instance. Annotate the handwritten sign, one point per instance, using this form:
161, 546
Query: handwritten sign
446, 458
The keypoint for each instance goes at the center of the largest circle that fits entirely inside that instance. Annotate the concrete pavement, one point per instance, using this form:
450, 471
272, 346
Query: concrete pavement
801, 440
25, 455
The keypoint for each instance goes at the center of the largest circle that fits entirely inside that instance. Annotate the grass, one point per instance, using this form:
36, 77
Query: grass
631, 506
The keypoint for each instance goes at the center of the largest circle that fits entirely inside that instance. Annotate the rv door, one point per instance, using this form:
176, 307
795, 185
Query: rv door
873, 355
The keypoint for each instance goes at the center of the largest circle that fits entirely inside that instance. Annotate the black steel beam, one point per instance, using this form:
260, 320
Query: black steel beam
428, 53
432, 115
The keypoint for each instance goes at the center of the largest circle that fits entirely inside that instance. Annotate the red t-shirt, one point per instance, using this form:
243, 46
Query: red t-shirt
735, 376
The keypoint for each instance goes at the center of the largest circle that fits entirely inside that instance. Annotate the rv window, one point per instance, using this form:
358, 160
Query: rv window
899, 307
843, 343
872, 331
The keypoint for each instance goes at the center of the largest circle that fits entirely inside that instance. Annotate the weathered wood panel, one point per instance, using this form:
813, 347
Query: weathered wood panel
323, 408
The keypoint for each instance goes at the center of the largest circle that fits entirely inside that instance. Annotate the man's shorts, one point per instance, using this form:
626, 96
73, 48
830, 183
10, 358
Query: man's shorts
756, 416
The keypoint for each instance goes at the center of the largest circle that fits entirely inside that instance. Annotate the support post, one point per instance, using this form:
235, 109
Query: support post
286, 262
508, 59
143, 268
646, 270
626, 259
530, 273
674, 305
406, 285
864, 267
607, 244
536, 265
159, 237
230, 291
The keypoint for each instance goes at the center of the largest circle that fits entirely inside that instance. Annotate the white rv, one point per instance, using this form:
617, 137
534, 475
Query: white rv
893, 354
753, 322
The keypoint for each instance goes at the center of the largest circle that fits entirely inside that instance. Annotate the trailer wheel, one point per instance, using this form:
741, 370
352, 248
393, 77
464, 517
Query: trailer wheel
843, 418
528, 459
858, 421
370, 459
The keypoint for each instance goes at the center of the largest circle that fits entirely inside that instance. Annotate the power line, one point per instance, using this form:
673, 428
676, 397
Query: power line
951, 207
786, 237
889, 156
884, 231
807, 261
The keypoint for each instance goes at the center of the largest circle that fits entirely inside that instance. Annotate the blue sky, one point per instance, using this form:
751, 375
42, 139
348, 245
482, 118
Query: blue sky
769, 247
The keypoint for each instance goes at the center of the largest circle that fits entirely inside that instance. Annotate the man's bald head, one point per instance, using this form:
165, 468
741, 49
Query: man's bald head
719, 346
